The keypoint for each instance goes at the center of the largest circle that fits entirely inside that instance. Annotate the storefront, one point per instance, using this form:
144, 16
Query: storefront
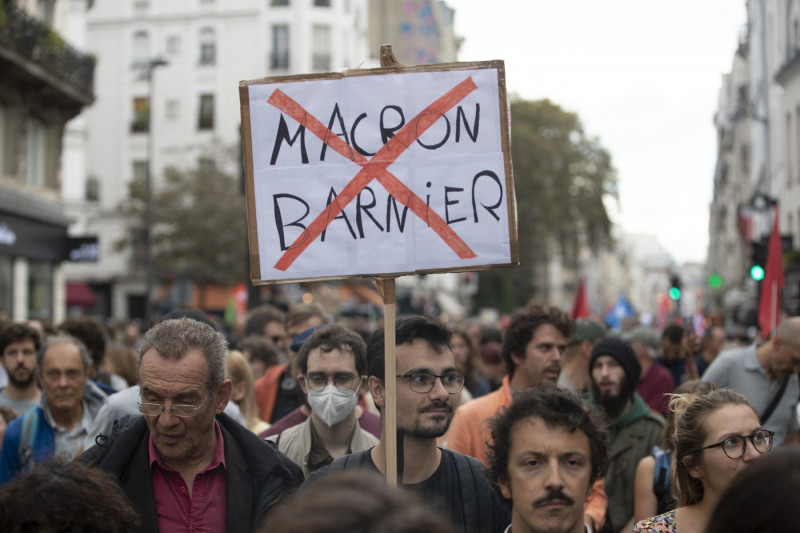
31, 252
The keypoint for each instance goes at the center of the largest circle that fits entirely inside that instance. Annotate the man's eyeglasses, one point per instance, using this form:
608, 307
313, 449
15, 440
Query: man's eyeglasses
183, 411
316, 381
735, 446
424, 382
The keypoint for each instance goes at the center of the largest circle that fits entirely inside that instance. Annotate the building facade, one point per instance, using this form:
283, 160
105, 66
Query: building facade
46, 82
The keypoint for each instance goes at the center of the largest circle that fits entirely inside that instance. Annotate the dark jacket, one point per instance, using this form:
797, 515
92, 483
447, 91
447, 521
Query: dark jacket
257, 474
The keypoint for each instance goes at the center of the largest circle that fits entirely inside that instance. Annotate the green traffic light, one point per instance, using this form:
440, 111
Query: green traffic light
757, 272
715, 280
674, 293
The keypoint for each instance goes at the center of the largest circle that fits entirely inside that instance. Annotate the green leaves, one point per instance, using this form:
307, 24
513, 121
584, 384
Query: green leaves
562, 178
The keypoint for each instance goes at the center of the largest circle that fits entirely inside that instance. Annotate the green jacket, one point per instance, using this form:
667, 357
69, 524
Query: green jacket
632, 437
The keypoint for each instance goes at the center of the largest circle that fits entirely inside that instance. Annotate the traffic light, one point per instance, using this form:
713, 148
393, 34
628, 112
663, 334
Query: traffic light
674, 287
758, 259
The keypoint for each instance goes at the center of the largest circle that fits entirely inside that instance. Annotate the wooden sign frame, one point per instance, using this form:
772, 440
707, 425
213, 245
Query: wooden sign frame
247, 147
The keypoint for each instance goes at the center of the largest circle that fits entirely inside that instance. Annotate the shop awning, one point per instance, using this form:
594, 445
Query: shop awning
79, 294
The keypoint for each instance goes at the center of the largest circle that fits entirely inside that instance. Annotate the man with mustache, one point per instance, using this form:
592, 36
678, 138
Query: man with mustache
19, 343
634, 428
546, 452
428, 387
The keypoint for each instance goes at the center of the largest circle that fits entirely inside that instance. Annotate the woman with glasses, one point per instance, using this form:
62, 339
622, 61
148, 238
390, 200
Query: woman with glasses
716, 436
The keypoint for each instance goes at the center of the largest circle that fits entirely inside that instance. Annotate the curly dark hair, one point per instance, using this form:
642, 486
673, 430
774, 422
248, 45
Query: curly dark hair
407, 330
524, 322
558, 408
334, 337
63, 495
17, 332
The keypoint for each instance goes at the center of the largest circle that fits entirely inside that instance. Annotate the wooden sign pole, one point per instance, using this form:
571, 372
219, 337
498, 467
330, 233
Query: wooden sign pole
386, 288
389, 413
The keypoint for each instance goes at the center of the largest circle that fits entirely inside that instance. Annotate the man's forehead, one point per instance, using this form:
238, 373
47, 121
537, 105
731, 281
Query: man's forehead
420, 355
338, 359
61, 354
535, 432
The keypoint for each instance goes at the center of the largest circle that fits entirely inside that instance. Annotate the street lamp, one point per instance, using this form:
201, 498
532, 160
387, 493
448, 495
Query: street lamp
151, 66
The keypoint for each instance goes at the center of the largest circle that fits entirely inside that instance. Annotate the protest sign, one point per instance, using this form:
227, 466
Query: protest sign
378, 172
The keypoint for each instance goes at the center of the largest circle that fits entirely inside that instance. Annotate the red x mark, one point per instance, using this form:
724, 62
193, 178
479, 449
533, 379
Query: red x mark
375, 168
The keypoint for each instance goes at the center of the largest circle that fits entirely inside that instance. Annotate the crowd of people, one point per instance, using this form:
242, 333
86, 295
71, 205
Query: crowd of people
540, 423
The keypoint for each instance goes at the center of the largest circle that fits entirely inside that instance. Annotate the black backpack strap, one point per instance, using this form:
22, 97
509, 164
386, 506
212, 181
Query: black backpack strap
476, 509
775, 400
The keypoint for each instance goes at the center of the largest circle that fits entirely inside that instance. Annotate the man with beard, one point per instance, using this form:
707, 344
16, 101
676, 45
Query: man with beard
767, 376
532, 348
19, 343
428, 387
633, 428
533, 345
547, 450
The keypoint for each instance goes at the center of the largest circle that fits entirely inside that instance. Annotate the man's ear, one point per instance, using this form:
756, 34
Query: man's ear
362, 386
505, 487
376, 389
223, 396
518, 360
301, 380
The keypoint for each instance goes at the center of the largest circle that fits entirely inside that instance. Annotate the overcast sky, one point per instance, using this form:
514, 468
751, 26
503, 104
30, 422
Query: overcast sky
644, 78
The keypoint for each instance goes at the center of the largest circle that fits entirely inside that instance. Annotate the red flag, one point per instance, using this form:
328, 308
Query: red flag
580, 308
774, 279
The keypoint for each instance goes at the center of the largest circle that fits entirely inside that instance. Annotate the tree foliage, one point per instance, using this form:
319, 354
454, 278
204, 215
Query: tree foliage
561, 179
199, 227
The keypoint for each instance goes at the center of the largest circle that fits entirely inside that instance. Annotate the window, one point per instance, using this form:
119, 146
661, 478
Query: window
141, 5
173, 109
141, 115
280, 47
322, 3
321, 48
279, 3
34, 152
174, 45
6, 284
205, 115
92, 189
140, 170
40, 289
141, 49
2, 138
44, 11
208, 47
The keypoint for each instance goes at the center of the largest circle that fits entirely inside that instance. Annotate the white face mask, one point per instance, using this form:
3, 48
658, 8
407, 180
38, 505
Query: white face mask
332, 404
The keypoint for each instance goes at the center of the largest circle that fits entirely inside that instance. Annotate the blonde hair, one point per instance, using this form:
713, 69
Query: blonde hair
690, 433
238, 370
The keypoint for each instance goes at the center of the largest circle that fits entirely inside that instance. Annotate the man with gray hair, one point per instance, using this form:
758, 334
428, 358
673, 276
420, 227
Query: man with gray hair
656, 381
184, 463
64, 416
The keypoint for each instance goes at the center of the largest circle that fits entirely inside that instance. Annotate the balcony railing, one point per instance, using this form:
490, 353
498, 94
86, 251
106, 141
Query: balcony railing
33, 40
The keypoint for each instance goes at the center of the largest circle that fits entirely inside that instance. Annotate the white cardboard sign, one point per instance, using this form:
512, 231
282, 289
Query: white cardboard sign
378, 173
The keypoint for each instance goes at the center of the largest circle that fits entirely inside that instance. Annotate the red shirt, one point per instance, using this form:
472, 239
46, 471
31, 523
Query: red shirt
654, 387
202, 512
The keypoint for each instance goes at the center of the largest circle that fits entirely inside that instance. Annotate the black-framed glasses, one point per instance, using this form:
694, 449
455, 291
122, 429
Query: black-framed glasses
423, 382
736, 445
316, 381
183, 411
